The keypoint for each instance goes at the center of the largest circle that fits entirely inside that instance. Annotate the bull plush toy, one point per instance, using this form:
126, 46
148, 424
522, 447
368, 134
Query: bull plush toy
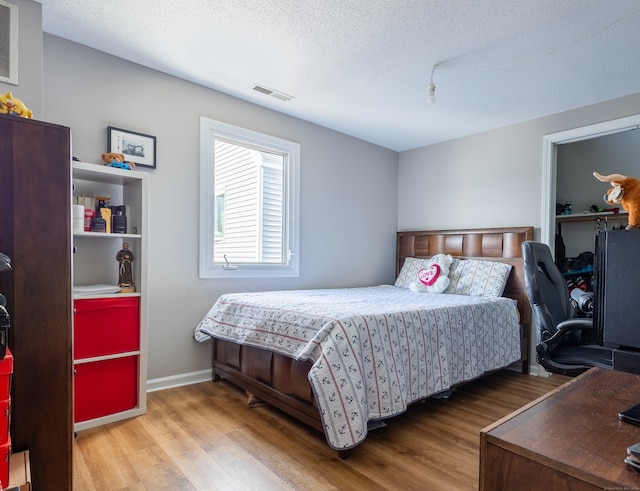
625, 191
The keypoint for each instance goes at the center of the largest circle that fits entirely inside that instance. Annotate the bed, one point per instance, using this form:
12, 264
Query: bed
344, 360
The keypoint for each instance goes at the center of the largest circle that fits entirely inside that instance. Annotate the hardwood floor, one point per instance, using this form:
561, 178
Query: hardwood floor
205, 437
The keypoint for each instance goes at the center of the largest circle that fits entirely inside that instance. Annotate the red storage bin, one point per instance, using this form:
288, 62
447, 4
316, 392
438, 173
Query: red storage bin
6, 370
104, 326
105, 387
5, 463
5, 418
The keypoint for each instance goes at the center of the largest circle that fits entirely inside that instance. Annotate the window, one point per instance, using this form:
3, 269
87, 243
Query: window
248, 203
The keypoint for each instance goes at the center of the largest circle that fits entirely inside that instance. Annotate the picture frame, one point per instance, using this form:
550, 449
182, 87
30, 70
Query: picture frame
136, 147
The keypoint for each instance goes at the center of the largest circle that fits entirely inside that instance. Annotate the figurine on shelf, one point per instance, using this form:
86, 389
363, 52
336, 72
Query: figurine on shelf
125, 277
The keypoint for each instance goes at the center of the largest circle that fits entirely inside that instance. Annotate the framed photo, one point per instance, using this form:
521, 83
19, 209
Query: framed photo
136, 147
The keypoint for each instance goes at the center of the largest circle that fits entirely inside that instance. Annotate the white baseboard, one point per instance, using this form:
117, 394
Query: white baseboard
534, 369
538, 370
178, 380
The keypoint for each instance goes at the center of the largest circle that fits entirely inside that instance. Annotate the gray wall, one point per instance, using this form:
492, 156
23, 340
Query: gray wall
348, 189
492, 178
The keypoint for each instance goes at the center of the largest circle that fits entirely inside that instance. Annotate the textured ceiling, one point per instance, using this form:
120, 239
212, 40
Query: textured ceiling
362, 67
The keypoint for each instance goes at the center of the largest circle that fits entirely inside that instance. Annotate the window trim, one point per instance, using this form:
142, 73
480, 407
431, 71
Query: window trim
209, 130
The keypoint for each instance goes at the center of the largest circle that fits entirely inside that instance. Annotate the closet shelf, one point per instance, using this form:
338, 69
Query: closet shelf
589, 217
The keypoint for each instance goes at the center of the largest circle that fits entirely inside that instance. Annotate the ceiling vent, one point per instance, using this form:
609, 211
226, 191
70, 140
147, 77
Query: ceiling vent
270, 92
8, 42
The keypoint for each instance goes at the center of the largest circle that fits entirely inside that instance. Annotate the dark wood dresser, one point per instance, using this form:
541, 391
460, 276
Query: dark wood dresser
35, 232
569, 439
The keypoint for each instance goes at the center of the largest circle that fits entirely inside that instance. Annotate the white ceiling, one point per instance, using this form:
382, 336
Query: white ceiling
362, 67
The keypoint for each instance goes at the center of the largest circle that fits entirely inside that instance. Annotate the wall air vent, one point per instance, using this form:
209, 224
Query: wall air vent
270, 92
8, 42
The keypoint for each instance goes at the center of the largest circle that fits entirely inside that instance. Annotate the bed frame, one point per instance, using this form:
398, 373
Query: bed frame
282, 382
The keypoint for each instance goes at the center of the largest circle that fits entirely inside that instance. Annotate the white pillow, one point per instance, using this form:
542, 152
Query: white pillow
409, 271
477, 277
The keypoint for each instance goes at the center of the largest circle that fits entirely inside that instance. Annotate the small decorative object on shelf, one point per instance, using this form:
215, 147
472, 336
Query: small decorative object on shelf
88, 218
119, 220
106, 214
114, 159
98, 224
125, 277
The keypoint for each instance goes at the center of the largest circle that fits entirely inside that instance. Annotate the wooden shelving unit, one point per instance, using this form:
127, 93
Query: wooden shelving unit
110, 355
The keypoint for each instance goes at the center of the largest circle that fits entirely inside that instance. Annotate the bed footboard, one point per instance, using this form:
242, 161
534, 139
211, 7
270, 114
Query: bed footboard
280, 381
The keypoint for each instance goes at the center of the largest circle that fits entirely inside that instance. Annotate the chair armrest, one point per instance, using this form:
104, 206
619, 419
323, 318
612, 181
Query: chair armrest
575, 324
582, 323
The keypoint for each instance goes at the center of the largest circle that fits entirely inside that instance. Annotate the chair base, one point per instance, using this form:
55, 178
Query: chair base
573, 360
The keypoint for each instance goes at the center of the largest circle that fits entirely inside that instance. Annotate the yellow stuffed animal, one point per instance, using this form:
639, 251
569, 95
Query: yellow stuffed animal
13, 106
625, 192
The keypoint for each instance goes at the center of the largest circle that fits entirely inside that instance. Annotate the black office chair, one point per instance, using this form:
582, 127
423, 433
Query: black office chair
565, 342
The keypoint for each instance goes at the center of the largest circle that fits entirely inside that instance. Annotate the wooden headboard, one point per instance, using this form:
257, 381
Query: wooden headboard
497, 244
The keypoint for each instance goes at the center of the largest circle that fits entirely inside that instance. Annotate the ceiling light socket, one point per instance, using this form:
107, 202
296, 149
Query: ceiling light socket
431, 97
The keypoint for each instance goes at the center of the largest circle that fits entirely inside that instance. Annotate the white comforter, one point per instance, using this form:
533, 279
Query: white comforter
374, 350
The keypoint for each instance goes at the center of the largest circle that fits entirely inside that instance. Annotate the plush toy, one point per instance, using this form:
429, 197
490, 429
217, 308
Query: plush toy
114, 159
13, 106
625, 192
435, 277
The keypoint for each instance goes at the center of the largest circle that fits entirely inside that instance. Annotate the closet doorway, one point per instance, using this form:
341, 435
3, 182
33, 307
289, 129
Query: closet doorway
551, 194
